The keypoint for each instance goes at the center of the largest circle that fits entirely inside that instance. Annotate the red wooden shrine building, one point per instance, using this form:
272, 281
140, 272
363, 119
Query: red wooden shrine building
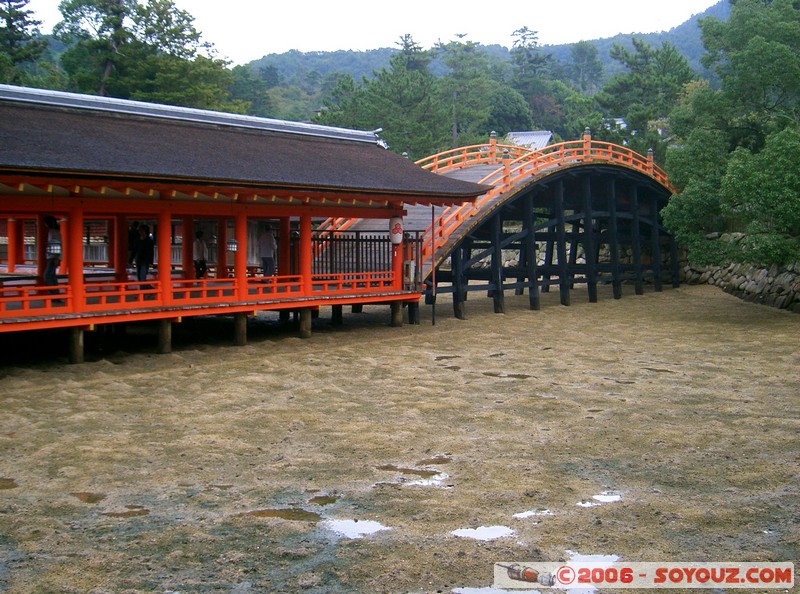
97, 165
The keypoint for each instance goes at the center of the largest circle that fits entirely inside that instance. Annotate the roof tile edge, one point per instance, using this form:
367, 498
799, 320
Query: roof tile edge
187, 114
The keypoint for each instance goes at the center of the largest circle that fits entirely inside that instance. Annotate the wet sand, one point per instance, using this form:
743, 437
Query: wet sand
226, 469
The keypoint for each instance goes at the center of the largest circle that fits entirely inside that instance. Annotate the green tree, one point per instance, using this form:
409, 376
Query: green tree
400, 99
147, 51
21, 45
162, 78
735, 164
344, 106
586, 70
645, 94
530, 67
509, 111
465, 90
98, 29
251, 89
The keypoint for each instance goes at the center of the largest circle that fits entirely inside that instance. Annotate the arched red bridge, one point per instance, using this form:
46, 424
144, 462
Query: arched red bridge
578, 212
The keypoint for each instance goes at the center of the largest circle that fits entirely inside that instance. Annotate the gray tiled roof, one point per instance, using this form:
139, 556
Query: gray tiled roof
533, 139
89, 136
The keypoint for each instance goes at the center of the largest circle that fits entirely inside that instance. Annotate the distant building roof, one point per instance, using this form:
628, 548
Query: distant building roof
54, 133
533, 139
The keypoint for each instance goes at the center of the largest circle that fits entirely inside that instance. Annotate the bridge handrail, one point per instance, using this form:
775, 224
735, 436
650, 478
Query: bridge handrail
530, 164
476, 154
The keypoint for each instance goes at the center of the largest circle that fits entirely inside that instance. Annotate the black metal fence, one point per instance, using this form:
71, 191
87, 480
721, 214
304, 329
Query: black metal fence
365, 251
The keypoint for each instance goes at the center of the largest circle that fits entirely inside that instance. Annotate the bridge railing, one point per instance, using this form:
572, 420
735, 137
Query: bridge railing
476, 154
531, 164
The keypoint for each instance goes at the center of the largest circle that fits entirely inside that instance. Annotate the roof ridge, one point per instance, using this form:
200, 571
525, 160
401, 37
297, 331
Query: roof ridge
186, 114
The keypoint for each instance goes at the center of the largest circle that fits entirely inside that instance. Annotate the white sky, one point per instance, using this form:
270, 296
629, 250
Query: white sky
245, 30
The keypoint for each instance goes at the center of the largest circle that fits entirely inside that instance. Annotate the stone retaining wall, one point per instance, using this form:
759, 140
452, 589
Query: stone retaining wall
775, 286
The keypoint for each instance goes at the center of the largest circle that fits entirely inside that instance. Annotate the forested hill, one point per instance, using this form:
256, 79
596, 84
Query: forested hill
294, 67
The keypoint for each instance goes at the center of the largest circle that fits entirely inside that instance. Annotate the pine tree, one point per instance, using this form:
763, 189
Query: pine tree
20, 42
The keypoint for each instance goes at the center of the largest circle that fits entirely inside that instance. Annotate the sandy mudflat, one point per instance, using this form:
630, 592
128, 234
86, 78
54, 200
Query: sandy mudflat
345, 463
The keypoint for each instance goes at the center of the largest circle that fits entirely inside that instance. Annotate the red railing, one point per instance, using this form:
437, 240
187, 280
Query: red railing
25, 300
476, 154
528, 164
30, 301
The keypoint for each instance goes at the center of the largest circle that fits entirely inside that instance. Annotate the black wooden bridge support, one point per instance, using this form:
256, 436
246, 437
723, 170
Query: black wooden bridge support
572, 218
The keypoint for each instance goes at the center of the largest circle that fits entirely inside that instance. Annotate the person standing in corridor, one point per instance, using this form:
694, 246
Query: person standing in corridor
50, 276
145, 253
200, 255
266, 250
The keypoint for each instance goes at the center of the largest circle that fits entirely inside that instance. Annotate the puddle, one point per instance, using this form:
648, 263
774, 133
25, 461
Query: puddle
428, 478
445, 357
533, 513
354, 528
89, 497
415, 471
436, 480
485, 533
604, 497
7, 483
323, 500
133, 511
439, 459
291, 514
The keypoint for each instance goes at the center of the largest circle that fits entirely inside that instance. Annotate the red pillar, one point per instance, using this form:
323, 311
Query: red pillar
284, 247
187, 247
62, 228
240, 257
20, 226
118, 243
222, 249
13, 230
41, 246
74, 251
111, 254
164, 246
305, 252
397, 266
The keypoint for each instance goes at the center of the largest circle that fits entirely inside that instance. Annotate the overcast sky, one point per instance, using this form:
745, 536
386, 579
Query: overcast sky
245, 30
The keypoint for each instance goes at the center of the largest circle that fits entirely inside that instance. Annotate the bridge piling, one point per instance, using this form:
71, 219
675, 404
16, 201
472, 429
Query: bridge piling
305, 322
337, 319
613, 240
240, 329
164, 336
637, 242
529, 220
459, 294
561, 245
497, 265
76, 349
396, 314
589, 244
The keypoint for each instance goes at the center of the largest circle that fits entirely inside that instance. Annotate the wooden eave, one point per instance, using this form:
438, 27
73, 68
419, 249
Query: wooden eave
195, 192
